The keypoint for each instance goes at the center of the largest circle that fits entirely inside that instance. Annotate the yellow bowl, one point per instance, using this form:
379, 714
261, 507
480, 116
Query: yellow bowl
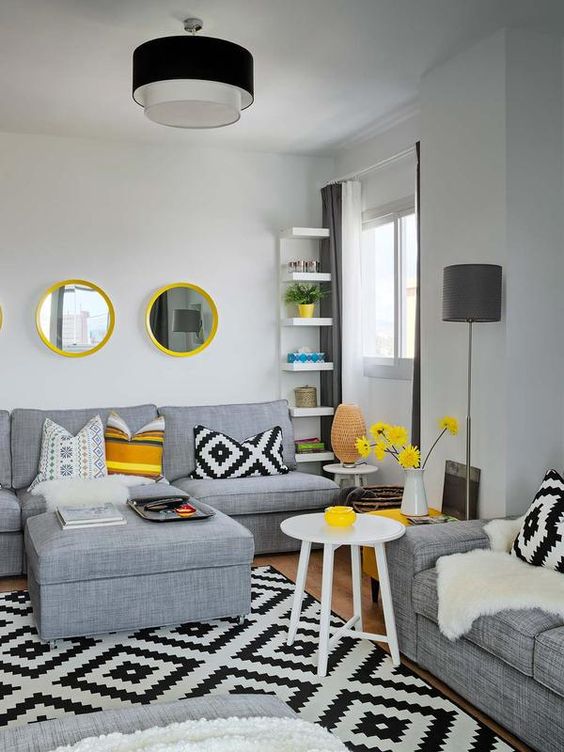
340, 516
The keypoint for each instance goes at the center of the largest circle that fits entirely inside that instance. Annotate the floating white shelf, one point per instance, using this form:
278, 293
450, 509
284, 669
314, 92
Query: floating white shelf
304, 233
310, 412
298, 321
307, 366
315, 457
307, 277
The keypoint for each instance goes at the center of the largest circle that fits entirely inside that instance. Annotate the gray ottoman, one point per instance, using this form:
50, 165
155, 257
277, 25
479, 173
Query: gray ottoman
48, 735
143, 574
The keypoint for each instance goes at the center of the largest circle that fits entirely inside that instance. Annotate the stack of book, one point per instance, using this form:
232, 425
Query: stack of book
71, 518
309, 446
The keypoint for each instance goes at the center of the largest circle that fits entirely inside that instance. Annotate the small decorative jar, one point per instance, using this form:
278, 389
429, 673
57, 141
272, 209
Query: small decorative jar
306, 396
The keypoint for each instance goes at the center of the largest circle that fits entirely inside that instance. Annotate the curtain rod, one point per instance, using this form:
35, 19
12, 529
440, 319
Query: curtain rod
376, 166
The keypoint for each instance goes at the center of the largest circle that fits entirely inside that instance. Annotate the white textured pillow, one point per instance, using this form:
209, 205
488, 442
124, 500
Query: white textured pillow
66, 456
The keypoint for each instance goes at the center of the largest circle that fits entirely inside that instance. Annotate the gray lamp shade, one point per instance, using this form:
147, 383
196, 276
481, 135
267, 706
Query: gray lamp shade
472, 292
185, 320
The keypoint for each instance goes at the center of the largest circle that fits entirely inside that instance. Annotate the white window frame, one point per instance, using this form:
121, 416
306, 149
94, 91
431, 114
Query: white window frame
398, 368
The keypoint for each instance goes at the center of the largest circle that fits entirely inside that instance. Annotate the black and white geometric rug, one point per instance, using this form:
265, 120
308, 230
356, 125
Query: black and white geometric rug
364, 700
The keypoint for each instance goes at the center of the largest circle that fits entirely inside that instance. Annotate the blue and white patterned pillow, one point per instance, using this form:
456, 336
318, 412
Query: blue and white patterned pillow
66, 456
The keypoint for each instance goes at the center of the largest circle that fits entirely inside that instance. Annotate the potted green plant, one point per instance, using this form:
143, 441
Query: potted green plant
305, 297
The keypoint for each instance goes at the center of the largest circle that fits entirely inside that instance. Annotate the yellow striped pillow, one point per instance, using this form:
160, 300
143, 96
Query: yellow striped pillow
137, 454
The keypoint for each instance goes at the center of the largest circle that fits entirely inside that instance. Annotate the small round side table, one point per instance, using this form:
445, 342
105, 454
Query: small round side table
367, 531
358, 472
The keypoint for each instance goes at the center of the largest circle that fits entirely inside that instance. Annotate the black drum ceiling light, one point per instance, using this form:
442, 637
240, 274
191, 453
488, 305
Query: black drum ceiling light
192, 81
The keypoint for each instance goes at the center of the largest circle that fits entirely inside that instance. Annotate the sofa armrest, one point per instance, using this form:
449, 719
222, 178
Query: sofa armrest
416, 551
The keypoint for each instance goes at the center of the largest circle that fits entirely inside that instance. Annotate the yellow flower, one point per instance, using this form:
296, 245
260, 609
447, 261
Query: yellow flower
380, 450
410, 456
362, 446
450, 424
377, 429
397, 435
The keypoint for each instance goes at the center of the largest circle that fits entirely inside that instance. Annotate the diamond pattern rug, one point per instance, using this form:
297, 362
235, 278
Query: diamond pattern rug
364, 700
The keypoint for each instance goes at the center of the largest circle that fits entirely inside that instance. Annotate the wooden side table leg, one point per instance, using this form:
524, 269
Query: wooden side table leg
387, 603
299, 591
356, 567
326, 593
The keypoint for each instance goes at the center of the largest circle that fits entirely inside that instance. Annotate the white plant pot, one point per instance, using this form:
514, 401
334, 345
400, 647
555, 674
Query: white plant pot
414, 500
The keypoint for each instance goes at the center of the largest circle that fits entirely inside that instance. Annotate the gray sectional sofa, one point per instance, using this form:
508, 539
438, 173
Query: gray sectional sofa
259, 504
509, 665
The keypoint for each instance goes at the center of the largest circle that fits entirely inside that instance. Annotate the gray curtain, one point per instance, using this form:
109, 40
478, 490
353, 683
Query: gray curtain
416, 387
330, 338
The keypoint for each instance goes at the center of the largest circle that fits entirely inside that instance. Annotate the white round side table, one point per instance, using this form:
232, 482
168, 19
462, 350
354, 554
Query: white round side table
358, 472
368, 530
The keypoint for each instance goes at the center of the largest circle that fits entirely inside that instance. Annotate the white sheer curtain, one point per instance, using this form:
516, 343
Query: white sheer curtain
351, 313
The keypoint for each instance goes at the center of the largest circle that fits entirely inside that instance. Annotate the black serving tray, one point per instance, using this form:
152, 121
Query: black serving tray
139, 506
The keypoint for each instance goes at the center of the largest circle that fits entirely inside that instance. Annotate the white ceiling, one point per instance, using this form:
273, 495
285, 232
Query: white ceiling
325, 70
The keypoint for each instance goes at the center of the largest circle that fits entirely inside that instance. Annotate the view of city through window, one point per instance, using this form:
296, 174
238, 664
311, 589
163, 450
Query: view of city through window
389, 287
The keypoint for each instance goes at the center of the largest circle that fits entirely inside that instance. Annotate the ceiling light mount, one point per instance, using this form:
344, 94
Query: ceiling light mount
193, 81
193, 25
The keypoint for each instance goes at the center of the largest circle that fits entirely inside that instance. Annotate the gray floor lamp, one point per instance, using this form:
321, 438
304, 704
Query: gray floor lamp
471, 293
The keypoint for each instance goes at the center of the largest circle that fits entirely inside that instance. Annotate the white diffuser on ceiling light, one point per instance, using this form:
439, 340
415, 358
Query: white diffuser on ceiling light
192, 81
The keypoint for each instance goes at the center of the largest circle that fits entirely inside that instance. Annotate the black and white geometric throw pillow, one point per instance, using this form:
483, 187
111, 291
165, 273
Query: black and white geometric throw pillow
540, 541
219, 456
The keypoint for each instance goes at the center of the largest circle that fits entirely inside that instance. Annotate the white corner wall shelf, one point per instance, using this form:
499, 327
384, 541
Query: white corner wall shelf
298, 321
304, 233
314, 457
307, 366
307, 277
311, 412
302, 243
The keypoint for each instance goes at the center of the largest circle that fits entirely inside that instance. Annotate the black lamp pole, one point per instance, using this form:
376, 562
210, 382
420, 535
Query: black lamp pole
471, 293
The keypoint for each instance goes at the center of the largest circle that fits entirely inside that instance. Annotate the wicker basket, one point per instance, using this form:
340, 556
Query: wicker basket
348, 425
373, 498
306, 396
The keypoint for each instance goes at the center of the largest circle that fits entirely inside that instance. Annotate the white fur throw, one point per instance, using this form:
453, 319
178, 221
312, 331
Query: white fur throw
220, 735
502, 533
483, 582
88, 492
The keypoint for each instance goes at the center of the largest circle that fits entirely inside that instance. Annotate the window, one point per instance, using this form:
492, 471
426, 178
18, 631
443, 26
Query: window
389, 290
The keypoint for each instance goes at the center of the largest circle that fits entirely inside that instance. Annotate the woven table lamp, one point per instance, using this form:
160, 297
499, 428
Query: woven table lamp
348, 425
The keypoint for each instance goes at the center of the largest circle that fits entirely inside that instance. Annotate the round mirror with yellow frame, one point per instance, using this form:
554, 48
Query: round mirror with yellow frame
181, 319
75, 318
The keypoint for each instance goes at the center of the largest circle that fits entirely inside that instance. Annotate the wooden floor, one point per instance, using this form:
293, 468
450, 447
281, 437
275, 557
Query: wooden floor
342, 605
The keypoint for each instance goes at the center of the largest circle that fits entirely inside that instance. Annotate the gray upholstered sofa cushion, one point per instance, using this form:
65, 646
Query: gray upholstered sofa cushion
27, 427
237, 421
32, 504
48, 735
549, 660
10, 513
5, 458
273, 493
509, 635
56, 555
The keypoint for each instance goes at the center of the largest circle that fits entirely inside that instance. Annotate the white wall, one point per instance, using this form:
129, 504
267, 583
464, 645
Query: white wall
132, 218
491, 192
384, 399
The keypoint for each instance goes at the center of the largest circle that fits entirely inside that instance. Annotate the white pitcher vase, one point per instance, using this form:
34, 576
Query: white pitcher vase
414, 499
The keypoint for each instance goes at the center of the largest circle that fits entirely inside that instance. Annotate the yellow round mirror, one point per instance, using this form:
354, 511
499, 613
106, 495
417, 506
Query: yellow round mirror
181, 319
75, 318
